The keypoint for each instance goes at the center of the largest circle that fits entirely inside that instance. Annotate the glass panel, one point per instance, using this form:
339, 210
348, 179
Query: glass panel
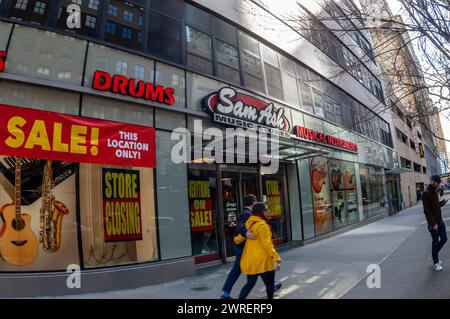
61, 247
40, 98
199, 55
169, 7
111, 236
231, 206
273, 79
225, 31
165, 30
117, 62
202, 189
30, 10
251, 67
5, 30
197, 18
306, 95
290, 90
338, 194
306, 197
173, 215
114, 110
227, 54
46, 55
89, 18
128, 25
198, 87
318, 103
294, 202
248, 43
169, 76
169, 120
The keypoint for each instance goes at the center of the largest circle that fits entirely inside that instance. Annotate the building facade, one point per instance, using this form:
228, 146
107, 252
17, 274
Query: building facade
122, 208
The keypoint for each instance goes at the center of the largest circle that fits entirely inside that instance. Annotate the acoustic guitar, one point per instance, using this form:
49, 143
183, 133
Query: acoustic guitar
18, 245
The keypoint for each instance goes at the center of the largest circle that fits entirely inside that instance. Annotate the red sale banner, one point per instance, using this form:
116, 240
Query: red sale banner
54, 136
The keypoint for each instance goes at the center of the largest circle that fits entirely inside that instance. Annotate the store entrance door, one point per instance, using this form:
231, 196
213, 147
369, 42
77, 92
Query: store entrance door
235, 184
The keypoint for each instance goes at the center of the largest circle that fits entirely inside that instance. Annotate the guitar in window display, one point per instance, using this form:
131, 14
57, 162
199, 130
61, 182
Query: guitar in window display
32, 176
18, 245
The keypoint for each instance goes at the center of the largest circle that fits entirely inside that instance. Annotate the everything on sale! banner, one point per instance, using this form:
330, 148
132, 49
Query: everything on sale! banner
61, 137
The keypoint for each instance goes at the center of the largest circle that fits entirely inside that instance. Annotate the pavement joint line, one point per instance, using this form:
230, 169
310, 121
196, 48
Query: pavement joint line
379, 263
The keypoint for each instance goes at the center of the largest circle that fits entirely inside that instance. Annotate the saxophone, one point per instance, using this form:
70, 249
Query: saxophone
52, 213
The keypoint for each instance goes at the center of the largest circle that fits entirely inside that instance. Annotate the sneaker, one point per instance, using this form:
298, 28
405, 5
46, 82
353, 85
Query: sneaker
431, 259
223, 297
437, 267
277, 287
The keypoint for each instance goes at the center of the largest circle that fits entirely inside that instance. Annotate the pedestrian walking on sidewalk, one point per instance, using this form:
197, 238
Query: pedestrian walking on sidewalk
436, 226
259, 257
249, 201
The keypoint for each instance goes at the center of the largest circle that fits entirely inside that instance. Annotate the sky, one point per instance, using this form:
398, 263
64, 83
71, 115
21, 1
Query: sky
396, 7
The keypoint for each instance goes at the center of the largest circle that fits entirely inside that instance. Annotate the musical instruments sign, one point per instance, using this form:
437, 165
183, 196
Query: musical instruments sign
61, 137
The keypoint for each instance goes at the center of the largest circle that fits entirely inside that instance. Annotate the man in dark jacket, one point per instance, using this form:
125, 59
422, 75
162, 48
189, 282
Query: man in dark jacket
436, 226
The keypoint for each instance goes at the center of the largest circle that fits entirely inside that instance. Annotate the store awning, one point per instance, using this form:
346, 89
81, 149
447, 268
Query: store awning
288, 149
399, 170
293, 150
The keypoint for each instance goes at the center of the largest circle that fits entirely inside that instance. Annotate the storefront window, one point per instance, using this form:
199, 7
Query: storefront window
373, 190
118, 224
338, 194
274, 195
35, 180
351, 195
323, 208
203, 201
5, 30
113, 110
46, 55
37, 97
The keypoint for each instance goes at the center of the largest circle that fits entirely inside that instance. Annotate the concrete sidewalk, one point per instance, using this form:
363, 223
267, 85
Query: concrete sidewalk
330, 268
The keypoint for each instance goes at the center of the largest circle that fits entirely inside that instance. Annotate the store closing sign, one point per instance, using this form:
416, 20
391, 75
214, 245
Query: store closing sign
3, 56
61, 137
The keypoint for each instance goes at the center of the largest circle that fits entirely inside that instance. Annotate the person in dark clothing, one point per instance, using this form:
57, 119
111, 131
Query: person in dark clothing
249, 201
436, 226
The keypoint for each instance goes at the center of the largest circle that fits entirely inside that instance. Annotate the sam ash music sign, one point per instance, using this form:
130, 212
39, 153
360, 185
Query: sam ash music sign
61, 137
121, 205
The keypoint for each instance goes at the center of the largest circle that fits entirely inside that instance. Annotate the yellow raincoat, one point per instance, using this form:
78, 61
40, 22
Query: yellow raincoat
259, 255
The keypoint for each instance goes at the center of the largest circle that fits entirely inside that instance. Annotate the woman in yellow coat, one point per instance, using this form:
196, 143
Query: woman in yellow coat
259, 257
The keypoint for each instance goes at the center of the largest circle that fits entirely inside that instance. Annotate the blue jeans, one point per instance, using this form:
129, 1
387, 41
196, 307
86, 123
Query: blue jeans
439, 237
235, 272
268, 279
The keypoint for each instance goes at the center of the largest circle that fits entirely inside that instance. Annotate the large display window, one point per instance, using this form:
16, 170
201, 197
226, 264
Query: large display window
117, 215
40, 196
203, 209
